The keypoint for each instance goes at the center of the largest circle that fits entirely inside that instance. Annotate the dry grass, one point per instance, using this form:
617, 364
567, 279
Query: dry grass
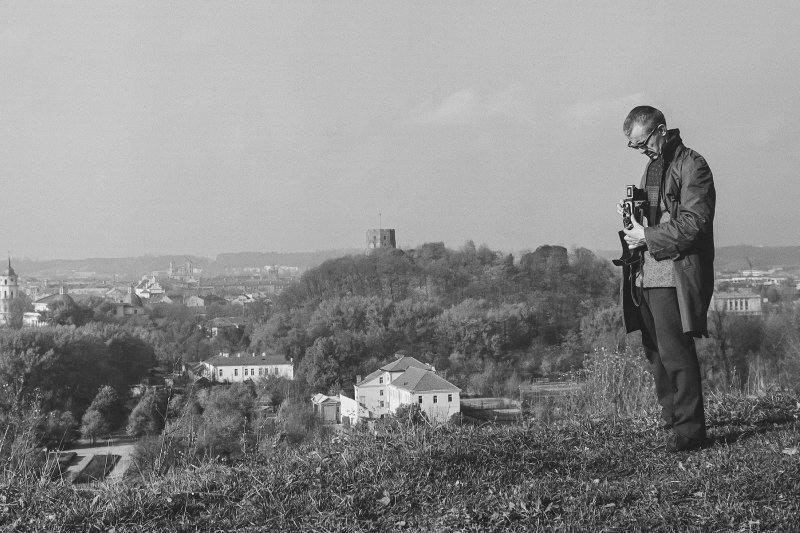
599, 469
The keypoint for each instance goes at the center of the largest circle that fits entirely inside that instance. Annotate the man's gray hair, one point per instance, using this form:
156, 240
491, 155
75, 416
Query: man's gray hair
648, 117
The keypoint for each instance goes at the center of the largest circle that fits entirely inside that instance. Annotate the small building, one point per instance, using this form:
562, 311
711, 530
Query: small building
51, 302
31, 319
326, 408
239, 367
745, 303
225, 325
130, 305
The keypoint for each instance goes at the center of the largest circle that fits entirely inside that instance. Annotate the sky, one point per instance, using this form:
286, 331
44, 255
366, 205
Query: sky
131, 128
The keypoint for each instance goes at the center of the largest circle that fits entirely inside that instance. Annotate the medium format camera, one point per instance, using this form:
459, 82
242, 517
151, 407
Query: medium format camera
633, 205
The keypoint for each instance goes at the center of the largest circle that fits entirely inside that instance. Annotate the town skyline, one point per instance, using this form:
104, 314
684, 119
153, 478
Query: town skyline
135, 128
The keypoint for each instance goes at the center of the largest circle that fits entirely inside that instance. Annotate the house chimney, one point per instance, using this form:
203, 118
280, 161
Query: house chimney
358, 378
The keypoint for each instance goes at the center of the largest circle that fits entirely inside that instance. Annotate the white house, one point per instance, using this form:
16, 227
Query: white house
31, 319
436, 396
239, 367
406, 381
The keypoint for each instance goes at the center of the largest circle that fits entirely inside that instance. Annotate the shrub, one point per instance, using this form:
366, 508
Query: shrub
616, 383
411, 414
297, 418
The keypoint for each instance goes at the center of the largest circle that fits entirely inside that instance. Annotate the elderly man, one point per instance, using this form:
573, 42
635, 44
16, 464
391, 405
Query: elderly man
667, 293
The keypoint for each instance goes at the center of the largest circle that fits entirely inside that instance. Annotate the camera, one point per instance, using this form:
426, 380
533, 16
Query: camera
633, 205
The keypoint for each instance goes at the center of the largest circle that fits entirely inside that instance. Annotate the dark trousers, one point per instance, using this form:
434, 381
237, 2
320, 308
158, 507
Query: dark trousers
673, 362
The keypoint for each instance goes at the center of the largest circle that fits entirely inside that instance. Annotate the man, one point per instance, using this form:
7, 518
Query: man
666, 295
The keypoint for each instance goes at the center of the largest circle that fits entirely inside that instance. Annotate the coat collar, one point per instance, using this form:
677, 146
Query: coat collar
671, 146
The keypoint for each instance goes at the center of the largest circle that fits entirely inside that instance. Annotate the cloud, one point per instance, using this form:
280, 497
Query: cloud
583, 111
14, 37
467, 106
773, 128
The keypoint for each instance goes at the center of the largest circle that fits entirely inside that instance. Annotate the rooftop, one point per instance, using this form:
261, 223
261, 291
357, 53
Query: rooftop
421, 380
404, 363
247, 359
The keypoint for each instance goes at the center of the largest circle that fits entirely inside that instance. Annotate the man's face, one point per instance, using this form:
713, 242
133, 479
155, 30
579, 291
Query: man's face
647, 140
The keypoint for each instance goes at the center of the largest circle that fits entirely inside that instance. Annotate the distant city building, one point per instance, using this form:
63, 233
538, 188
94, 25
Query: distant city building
380, 238
185, 273
31, 319
225, 325
130, 305
54, 300
9, 289
737, 303
149, 287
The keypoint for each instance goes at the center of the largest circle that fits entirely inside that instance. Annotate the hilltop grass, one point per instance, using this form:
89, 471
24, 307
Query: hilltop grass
589, 473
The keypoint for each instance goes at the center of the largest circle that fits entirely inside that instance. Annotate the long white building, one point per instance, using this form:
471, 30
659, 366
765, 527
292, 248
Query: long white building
239, 367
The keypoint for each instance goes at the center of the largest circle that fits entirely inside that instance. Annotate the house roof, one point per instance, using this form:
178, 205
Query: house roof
246, 359
370, 377
55, 298
132, 299
404, 363
736, 294
321, 398
421, 380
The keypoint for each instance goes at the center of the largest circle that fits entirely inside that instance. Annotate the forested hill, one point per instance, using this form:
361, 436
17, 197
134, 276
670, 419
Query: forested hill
480, 316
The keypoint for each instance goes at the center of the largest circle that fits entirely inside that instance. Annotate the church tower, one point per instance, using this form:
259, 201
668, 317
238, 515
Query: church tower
9, 289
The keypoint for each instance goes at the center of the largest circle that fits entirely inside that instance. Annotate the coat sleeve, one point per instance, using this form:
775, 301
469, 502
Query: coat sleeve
695, 213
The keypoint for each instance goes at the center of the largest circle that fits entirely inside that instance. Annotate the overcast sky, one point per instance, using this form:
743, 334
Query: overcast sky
207, 127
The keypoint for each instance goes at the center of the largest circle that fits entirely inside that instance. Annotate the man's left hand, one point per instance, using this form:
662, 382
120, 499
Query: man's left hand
635, 236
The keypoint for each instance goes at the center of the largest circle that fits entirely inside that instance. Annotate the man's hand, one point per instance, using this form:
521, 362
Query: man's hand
635, 236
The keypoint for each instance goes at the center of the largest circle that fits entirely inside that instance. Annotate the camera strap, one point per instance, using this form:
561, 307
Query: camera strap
653, 183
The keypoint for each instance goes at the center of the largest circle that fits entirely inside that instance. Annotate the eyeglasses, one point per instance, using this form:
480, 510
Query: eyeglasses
642, 145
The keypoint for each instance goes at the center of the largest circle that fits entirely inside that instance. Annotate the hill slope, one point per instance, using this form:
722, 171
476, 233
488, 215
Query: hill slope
588, 474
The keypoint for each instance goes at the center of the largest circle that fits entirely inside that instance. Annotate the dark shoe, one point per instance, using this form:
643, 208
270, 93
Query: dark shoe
679, 443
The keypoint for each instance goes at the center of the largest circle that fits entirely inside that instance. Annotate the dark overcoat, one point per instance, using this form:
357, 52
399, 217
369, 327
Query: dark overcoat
687, 239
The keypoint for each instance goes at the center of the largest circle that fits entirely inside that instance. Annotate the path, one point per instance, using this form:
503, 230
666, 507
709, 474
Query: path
85, 454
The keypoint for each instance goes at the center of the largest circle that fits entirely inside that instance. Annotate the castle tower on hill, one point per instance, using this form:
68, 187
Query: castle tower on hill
9, 289
380, 238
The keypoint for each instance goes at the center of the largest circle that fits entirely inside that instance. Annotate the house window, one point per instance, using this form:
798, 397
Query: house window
220, 372
449, 397
420, 399
434, 398
260, 371
381, 392
235, 371
380, 381
381, 403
